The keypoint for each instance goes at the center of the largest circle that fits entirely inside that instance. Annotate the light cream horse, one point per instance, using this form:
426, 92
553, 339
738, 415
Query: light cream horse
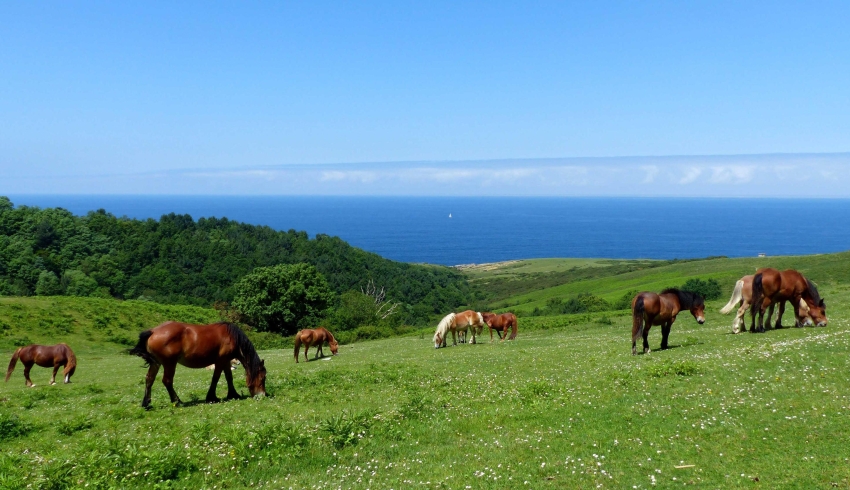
457, 323
743, 294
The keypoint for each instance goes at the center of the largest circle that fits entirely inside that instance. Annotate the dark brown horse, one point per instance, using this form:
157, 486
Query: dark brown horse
650, 309
501, 323
198, 346
54, 356
771, 286
315, 337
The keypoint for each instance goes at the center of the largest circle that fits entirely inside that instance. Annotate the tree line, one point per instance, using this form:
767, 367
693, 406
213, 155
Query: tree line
179, 260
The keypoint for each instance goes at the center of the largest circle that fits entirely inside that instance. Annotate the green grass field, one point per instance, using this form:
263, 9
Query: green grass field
563, 406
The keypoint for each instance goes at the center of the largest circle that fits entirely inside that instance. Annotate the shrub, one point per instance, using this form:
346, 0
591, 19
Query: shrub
709, 289
282, 298
48, 284
11, 427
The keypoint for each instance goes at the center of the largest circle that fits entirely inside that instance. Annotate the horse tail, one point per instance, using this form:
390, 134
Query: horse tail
513, 329
141, 348
13, 362
638, 312
297, 346
758, 297
71, 365
737, 296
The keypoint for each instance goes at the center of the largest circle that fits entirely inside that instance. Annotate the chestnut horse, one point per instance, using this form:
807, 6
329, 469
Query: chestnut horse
650, 309
197, 346
501, 323
54, 356
771, 286
458, 322
743, 294
315, 337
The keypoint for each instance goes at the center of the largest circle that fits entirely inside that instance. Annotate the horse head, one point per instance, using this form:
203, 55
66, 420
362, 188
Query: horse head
334, 345
257, 381
801, 314
698, 309
817, 311
438, 340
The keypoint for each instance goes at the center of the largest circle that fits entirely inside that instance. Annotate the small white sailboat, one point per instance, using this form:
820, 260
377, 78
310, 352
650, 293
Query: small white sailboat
450, 215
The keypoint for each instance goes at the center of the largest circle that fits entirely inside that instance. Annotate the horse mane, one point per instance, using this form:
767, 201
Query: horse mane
813, 291
687, 299
332, 338
443, 326
247, 354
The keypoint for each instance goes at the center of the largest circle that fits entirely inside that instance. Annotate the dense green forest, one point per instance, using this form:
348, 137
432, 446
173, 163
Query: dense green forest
182, 261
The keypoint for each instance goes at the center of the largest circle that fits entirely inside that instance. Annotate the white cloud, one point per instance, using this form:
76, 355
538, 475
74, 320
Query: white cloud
651, 172
691, 175
732, 174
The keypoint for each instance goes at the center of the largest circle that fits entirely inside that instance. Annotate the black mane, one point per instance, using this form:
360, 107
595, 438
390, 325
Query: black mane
813, 291
687, 299
245, 351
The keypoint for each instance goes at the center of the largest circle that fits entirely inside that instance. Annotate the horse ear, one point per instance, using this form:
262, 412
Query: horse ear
821, 304
262, 362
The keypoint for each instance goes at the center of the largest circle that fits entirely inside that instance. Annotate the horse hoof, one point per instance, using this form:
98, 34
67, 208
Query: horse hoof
213, 400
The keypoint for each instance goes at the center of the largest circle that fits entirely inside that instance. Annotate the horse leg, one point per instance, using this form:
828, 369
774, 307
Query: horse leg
149, 379
211, 398
55, 370
231, 390
764, 306
27, 367
779, 317
306, 348
168, 381
740, 324
321, 351
646, 328
665, 334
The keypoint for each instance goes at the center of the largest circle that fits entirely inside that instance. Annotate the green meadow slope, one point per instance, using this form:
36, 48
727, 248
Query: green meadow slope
563, 406
521, 286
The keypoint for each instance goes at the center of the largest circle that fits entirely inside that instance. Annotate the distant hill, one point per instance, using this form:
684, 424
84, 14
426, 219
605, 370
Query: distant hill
179, 260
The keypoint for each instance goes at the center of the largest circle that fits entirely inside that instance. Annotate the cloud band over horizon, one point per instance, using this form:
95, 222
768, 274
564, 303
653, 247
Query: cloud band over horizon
784, 176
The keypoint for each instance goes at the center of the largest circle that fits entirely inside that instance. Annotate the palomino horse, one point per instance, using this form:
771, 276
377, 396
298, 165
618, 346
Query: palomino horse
197, 346
501, 323
54, 356
771, 286
315, 337
743, 294
650, 309
458, 322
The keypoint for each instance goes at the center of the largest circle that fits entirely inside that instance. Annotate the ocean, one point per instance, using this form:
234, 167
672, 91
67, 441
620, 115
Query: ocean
453, 231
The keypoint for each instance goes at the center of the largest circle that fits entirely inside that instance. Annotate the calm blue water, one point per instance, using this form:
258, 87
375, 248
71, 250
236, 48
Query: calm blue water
494, 229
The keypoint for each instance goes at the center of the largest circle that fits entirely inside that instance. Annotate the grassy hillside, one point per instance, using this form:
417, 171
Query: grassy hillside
563, 406
86, 324
527, 284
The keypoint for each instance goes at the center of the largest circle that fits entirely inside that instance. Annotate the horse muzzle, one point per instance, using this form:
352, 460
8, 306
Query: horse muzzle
822, 324
700, 320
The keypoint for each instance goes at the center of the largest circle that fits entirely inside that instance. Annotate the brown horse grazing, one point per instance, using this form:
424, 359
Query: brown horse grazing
650, 309
458, 322
315, 337
771, 286
501, 323
54, 356
743, 295
197, 346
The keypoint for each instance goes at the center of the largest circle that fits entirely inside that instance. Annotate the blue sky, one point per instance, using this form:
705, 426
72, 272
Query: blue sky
410, 98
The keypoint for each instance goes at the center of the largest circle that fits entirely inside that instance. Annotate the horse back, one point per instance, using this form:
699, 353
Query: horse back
194, 346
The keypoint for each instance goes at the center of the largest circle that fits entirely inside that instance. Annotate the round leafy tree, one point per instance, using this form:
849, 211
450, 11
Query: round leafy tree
282, 298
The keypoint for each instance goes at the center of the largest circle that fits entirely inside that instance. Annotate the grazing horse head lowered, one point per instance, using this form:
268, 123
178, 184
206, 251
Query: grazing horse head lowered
198, 346
650, 309
54, 356
771, 286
